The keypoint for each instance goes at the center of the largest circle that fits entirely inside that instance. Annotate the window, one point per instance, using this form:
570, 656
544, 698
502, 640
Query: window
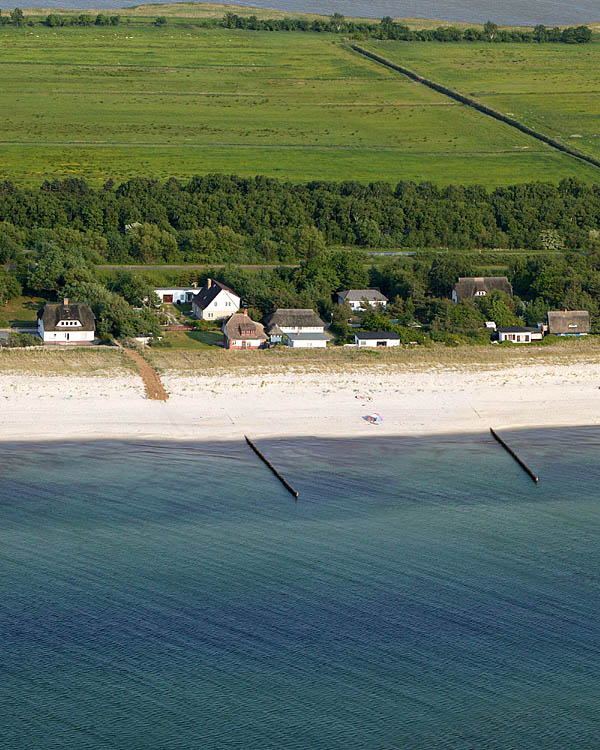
480, 293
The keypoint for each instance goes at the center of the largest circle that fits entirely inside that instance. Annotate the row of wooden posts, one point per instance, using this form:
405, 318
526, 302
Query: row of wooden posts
295, 494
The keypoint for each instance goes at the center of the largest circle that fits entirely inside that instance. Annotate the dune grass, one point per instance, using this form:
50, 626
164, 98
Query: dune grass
116, 102
80, 361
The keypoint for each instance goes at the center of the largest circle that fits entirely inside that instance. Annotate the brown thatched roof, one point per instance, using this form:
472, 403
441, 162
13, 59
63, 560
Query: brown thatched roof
294, 318
468, 287
568, 321
54, 312
241, 326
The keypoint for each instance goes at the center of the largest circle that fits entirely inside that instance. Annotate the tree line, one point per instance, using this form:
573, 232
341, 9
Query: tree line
387, 28
229, 219
16, 17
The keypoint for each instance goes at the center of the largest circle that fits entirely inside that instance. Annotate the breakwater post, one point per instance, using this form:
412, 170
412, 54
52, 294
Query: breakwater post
263, 458
509, 450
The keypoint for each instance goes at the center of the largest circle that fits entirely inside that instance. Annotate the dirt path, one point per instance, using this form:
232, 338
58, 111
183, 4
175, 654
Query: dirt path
154, 387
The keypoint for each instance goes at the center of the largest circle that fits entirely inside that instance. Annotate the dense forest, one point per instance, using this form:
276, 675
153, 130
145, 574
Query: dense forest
229, 219
53, 238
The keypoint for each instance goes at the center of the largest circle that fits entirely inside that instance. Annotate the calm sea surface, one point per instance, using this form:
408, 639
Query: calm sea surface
421, 594
549, 12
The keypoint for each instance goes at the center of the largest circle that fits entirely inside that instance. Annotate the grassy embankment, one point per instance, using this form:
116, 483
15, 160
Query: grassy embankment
67, 362
116, 102
551, 88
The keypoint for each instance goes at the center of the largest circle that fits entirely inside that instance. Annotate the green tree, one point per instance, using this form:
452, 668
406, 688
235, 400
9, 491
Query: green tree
17, 18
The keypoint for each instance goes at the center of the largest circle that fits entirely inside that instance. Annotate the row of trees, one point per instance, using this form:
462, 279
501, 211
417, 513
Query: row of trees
227, 219
16, 17
387, 28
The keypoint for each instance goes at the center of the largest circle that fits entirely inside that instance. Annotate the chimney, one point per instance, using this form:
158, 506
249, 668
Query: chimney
66, 301
208, 283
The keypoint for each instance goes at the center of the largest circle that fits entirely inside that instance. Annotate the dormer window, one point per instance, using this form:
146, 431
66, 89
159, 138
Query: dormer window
480, 293
572, 325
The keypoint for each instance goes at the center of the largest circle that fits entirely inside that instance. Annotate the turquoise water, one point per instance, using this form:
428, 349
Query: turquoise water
421, 594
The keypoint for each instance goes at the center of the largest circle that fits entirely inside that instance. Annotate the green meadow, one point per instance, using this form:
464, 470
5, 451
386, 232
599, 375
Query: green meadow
115, 102
553, 88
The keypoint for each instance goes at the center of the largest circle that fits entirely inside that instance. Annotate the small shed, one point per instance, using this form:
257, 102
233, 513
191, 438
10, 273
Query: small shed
569, 322
376, 338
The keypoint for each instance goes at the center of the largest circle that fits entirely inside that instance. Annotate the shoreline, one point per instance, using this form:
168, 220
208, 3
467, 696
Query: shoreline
296, 404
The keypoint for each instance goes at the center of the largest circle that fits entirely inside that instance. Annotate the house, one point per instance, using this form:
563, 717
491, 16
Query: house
66, 323
215, 301
376, 338
179, 295
356, 297
519, 334
569, 322
472, 287
298, 328
241, 332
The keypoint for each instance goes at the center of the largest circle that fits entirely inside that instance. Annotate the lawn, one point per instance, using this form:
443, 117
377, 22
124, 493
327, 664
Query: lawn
553, 88
189, 340
137, 100
20, 312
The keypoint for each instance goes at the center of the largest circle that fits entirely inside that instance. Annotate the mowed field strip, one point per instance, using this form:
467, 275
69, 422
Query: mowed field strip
118, 102
552, 88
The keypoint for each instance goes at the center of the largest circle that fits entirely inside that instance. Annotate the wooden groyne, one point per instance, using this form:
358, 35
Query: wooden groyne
263, 458
509, 450
477, 105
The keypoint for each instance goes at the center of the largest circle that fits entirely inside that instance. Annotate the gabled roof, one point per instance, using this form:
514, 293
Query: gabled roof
356, 295
468, 286
377, 335
241, 326
568, 321
293, 318
53, 312
209, 292
518, 329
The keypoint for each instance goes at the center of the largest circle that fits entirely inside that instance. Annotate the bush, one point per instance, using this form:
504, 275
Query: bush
24, 339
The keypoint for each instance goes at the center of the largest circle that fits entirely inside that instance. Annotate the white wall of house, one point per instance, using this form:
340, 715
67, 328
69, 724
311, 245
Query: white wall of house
67, 335
307, 343
180, 294
250, 343
223, 305
375, 342
357, 304
524, 337
302, 329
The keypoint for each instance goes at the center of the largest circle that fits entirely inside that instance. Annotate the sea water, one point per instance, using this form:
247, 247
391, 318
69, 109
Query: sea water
549, 12
422, 593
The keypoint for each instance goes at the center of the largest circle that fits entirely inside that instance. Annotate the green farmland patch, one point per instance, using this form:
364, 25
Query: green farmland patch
552, 88
116, 102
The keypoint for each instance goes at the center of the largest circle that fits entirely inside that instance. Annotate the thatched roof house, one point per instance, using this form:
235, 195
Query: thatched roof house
472, 287
66, 322
356, 297
289, 320
241, 332
569, 322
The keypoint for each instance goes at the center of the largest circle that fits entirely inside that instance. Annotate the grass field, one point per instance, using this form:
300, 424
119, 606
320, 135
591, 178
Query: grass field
553, 88
20, 312
115, 102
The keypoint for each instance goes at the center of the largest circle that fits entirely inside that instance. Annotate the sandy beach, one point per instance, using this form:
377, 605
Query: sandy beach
446, 399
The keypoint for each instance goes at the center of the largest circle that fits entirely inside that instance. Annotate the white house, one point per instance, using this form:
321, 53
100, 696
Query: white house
520, 334
298, 328
356, 297
178, 295
376, 338
215, 301
66, 323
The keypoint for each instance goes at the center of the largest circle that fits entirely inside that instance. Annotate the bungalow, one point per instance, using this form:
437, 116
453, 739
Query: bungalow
66, 323
179, 296
356, 297
519, 334
241, 332
298, 328
472, 287
215, 301
569, 322
376, 338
